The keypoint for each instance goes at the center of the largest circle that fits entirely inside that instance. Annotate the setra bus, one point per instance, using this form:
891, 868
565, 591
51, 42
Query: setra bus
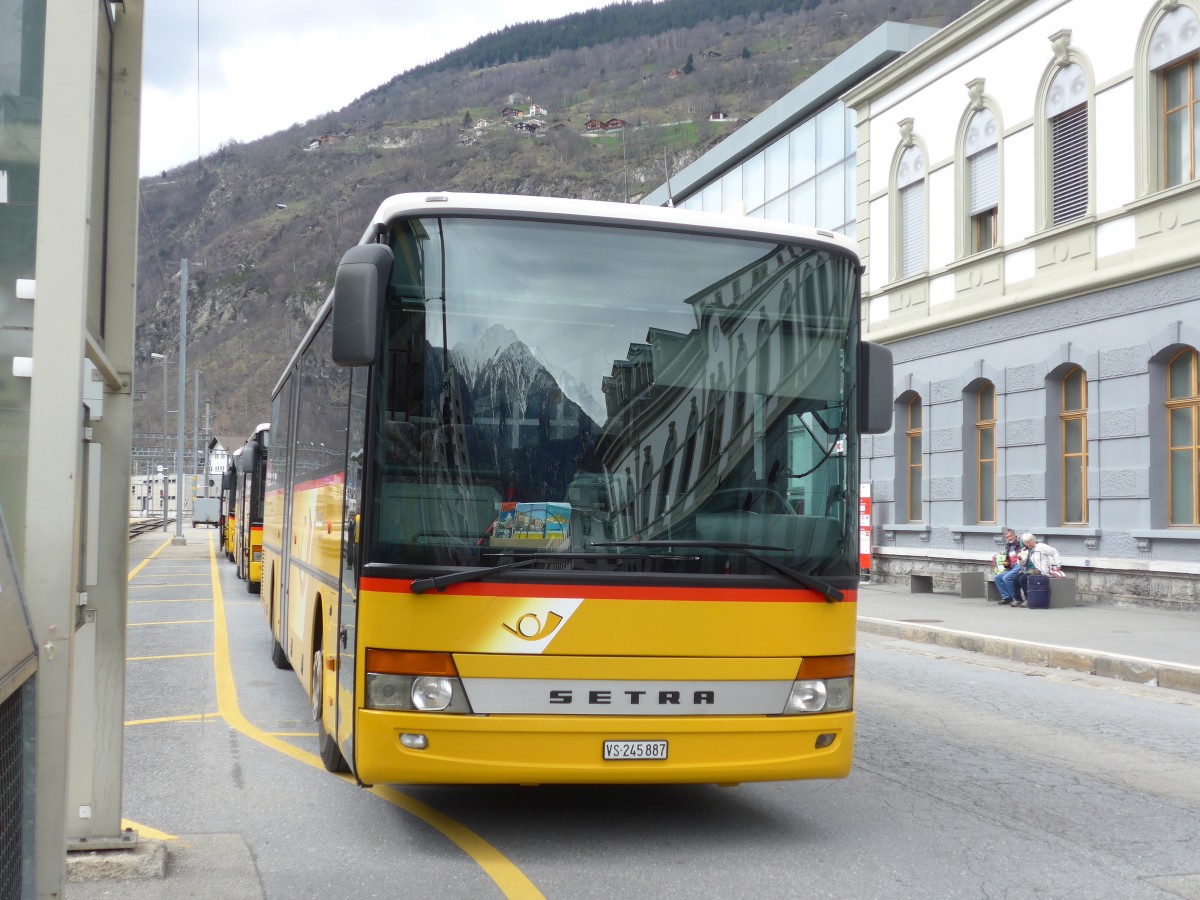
566, 491
248, 526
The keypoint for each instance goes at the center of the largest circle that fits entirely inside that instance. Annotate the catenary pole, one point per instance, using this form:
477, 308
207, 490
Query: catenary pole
182, 382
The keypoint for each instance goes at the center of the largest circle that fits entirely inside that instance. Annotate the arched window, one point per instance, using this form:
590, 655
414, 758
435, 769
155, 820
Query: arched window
1067, 110
909, 459
910, 212
1167, 74
981, 154
1183, 438
985, 453
1074, 448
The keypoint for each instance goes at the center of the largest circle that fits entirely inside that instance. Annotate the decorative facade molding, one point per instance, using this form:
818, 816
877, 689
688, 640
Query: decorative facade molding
975, 92
1060, 41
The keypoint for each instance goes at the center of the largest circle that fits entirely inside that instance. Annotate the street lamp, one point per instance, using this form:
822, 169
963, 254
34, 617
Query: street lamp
160, 356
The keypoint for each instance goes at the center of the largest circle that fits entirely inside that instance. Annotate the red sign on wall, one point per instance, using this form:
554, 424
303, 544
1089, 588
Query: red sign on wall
864, 530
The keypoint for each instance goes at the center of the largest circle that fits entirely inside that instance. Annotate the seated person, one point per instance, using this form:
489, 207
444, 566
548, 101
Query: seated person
1006, 581
1038, 559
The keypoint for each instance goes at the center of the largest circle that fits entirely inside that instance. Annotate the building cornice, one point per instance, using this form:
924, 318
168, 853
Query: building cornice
950, 39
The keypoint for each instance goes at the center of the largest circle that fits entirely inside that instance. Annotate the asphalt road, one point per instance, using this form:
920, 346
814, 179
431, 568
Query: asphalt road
973, 777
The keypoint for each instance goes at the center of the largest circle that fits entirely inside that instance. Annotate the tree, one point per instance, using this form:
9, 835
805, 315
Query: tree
467, 119
745, 53
688, 67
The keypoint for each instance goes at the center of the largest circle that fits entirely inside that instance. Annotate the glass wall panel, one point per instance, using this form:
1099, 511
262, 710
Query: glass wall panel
804, 152
777, 168
804, 204
831, 198
22, 53
831, 136
731, 189
710, 199
778, 210
753, 181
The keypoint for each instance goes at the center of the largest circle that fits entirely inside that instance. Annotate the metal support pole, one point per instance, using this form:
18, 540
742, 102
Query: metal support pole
182, 381
207, 443
194, 462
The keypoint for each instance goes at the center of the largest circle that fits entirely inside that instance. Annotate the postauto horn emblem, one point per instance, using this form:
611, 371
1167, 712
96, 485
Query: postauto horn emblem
530, 628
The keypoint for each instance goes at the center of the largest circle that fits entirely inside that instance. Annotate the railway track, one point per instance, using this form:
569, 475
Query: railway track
136, 529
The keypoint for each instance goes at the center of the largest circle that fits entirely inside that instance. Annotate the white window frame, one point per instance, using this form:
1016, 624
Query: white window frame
1148, 66
909, 202
1043, 118
966, 155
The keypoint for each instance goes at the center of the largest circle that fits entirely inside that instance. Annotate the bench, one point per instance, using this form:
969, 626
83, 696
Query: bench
1062, 591
970, 584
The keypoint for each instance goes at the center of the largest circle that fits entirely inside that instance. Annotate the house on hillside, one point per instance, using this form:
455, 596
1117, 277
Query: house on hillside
510, 112
535, 110
615, 123
717, 116
594, 125
673, 73
710, 54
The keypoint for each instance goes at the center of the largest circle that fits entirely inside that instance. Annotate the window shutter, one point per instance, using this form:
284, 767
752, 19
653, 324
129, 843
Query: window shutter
912, 234
984, 191
1069, 164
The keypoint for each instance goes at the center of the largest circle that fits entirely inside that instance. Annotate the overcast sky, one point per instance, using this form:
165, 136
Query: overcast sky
268, 64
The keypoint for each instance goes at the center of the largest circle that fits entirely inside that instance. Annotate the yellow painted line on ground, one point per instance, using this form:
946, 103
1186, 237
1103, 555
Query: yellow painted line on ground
145, 562
293, 734
175, 622
194, 717
145, 831
165, 656
162, 584
184, 600
511, 880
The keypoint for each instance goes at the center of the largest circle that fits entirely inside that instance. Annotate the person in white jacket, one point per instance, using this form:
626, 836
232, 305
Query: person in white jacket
1037, 559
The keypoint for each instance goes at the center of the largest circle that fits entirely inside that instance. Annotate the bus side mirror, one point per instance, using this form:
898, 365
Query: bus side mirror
874, 388
358, 294
249, 457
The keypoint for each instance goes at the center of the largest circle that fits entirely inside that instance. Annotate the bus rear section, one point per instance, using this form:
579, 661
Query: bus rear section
248, 528
590, 519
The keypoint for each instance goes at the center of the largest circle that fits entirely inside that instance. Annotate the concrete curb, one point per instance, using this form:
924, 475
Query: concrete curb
1176, 676
146, 860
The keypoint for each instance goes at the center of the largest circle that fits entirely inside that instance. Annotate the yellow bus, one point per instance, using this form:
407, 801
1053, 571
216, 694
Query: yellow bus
248, 523
229, 481
566, 491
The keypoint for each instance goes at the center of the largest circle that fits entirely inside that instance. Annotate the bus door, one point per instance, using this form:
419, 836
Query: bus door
283, 420
351, 562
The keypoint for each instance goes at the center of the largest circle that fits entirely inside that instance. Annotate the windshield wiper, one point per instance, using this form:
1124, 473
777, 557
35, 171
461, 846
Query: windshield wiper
440, 582
827, 590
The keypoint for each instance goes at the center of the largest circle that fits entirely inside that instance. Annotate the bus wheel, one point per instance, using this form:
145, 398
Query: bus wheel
278, 657
331, 756
253, 587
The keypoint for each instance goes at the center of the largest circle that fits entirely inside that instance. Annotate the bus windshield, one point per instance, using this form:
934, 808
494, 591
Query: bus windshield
618, 399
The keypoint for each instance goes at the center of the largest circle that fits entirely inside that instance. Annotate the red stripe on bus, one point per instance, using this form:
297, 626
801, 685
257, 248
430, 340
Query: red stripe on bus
604, 592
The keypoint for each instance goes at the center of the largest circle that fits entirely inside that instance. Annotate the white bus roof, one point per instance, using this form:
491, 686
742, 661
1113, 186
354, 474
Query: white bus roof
597, 211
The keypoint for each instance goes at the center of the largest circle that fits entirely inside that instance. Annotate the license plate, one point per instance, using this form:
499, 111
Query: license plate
635, 749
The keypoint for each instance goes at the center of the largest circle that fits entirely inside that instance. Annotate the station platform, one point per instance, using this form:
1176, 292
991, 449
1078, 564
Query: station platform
194, 632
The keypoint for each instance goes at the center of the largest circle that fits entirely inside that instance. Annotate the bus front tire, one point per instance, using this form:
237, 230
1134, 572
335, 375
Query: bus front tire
331, 756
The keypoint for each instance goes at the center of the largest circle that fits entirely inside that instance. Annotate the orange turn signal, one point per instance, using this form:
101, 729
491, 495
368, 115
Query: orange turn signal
411, 662
814, 667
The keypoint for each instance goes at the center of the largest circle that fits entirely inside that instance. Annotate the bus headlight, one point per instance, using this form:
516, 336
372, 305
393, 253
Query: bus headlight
820, 695
431, 693
415, 693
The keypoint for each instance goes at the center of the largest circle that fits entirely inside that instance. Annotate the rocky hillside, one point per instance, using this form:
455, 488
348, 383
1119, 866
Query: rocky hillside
263, 224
